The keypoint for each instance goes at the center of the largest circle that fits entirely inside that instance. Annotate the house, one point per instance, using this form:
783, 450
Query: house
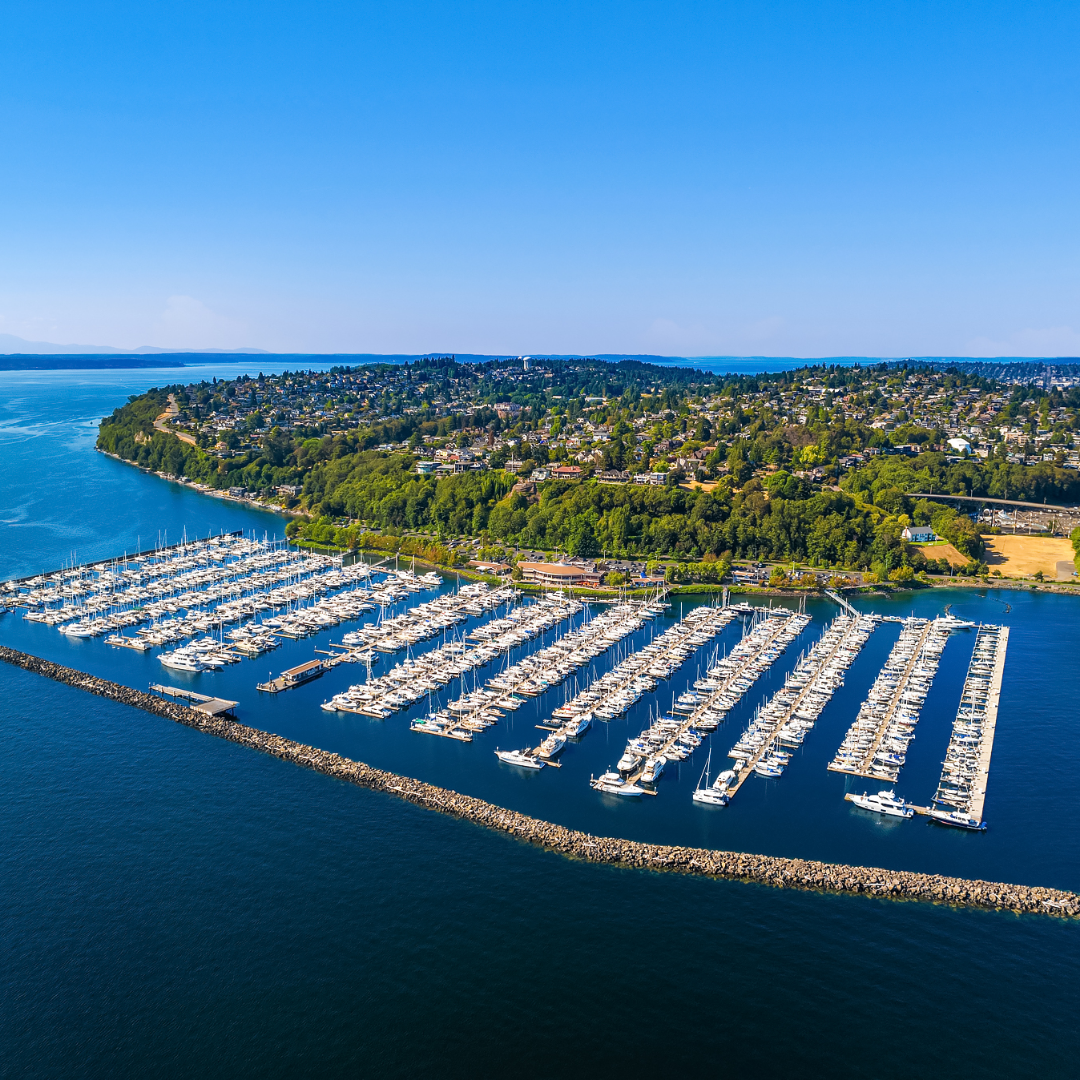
919, 534
566, 472
614, 476
654, 479
558, 574
425, 467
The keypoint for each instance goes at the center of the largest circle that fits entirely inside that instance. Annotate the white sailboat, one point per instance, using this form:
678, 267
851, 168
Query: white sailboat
704, 792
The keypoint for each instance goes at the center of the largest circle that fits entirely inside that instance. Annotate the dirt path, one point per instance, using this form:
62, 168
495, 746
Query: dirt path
171, 413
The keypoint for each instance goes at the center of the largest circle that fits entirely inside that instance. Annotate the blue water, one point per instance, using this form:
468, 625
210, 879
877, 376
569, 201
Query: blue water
176, 905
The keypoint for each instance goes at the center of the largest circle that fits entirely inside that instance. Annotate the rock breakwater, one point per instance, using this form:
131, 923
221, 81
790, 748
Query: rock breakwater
763, 869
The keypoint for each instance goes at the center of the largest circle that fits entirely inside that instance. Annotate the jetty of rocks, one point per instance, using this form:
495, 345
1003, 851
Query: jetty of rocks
764, 869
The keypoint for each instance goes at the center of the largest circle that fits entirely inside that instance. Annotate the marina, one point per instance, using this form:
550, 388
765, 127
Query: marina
419, 677
201, 608
701, 711
536, 674
877, 742
264, 590
961, 793
619, 689
783, 723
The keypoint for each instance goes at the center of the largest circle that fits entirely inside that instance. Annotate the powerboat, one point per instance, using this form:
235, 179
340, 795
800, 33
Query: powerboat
552, 745
521, 758
884, 802
611, 783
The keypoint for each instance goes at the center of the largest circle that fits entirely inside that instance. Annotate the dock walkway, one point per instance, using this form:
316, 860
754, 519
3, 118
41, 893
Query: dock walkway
774, 633
892, 707
961, 793
829, 658
204, 703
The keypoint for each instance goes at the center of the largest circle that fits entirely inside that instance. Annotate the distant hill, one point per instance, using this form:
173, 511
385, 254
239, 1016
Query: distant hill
17, 346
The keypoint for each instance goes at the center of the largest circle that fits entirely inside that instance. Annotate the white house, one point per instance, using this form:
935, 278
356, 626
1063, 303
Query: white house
919, 534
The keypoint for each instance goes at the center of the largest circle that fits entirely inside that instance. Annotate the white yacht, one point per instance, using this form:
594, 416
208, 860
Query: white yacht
552, 745
577, 725
766, 767
884, 802
958, 819
182, 661
654, 766
613, 784
521, 758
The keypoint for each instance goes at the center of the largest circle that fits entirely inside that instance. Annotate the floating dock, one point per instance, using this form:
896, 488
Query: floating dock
204, 703
801, 705
876, 743
748, 662
296, 676
961, 793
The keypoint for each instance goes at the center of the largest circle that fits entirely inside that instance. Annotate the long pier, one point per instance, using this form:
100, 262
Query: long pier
913, 659
778, 633
784, 707
768, 870
961, 793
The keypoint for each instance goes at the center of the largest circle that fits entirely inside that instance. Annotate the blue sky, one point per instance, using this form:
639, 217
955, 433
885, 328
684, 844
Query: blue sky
803, 179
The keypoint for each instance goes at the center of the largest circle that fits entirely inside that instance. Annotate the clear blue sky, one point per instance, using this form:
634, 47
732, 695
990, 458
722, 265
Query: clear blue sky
717, 178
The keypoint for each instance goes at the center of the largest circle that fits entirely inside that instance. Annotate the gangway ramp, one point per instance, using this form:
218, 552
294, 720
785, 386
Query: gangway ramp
204, 703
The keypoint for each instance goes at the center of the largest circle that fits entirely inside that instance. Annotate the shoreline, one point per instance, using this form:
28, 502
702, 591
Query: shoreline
775, 871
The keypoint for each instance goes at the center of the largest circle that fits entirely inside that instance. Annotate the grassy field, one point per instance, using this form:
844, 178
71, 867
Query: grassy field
1022, 556
945, 551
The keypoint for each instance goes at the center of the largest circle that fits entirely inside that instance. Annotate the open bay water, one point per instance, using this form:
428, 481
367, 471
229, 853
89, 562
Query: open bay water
175, 904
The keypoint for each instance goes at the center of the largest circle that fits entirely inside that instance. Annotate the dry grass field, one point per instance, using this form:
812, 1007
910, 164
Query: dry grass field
943, 551
1022, 556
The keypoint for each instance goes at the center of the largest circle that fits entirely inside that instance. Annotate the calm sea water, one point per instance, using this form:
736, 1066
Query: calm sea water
175, 905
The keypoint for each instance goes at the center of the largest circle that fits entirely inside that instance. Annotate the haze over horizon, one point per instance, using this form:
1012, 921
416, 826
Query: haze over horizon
691, 180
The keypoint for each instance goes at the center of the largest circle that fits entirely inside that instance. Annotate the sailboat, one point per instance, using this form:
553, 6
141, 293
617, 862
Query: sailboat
708, 794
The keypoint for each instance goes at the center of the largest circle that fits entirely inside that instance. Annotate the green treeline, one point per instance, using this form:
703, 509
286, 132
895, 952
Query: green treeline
759, 509
782, 520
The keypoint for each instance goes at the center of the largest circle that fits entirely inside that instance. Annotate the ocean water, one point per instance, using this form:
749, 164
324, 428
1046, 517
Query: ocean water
176, 905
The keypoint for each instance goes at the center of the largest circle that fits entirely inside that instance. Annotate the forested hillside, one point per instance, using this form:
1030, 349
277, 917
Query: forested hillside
795, 470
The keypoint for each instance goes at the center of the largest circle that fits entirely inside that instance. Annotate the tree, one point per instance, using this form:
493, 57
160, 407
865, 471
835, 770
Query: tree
583, 542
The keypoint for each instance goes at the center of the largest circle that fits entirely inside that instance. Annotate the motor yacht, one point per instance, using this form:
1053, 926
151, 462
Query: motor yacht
611, 783
522, 758
884, 802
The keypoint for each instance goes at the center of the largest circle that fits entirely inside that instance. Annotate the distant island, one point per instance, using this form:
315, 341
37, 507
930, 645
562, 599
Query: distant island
84, 363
